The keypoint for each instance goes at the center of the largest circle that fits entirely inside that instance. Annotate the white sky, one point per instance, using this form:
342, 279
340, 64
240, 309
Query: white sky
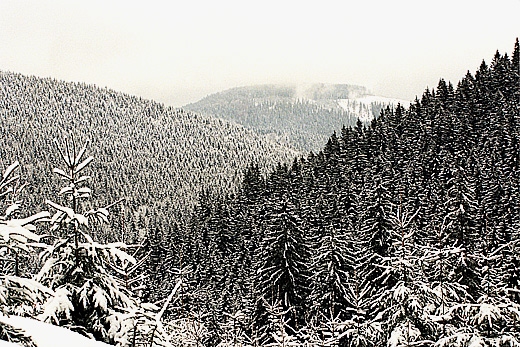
177, 52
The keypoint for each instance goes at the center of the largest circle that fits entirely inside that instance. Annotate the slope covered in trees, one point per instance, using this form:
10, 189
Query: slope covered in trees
301, 116
404, 232
158, 158
53, 269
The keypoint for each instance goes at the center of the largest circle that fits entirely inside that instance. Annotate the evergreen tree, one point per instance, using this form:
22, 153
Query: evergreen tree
282, 278
86, 296
18, 293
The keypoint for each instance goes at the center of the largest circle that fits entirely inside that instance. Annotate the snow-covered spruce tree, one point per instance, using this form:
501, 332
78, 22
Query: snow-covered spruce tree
17, 233
405, 307
460, 211
234, 332
491, 316
282, 275
282, 333
438, 262
492, 319
18, 294
190, 331
331, 266
88, 297
360, 330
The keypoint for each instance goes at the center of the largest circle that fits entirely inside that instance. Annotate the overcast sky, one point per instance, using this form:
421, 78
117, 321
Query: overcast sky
177, 52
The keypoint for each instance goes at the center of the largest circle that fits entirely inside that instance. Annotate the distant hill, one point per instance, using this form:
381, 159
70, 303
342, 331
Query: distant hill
145, 152
303, 116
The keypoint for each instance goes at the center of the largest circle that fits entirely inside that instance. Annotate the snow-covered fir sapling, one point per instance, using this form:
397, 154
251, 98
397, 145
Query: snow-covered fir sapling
282, 334
17, 233
403, 307
331, 332
191, 331
359, 330
233, 331
89, 297
491, 320
18, 294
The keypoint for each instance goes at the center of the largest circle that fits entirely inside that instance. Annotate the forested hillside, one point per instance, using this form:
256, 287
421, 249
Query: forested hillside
301, 116
404, 232
401, 232
159, 159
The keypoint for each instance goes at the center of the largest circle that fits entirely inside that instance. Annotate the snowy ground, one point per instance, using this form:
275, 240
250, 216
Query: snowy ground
47, 335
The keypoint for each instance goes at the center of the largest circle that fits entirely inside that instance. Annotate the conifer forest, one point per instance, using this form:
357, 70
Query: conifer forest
137, 224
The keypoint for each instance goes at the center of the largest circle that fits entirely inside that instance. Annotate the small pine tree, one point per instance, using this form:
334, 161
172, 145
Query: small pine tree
87, 298
18, 295
282, 334
234, 332
17, 233
404, 307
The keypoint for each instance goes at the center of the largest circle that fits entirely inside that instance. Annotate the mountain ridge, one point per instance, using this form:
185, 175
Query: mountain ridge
300, 115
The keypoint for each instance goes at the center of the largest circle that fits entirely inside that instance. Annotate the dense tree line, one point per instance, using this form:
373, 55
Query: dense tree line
401, 232
156, 157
